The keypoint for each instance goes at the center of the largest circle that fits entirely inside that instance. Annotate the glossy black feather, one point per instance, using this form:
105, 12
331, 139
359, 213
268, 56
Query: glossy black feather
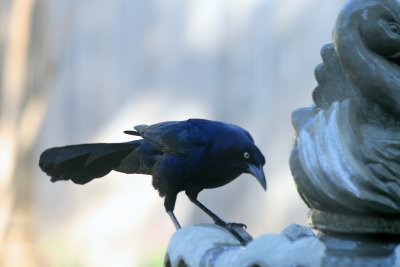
83, 163
185, 156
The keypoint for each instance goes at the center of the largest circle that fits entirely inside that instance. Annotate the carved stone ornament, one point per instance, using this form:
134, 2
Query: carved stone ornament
345, 160
347, 153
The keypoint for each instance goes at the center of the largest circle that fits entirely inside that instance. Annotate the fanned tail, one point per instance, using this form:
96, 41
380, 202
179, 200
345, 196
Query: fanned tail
82, 163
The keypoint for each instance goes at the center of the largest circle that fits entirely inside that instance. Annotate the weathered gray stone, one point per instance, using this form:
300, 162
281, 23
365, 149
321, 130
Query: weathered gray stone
210, 245
346, 157
296, 231
353, 223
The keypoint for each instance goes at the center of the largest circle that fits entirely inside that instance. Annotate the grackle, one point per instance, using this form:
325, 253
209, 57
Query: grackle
188, 156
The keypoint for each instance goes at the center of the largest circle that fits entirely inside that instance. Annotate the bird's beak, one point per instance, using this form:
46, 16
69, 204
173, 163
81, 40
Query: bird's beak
257, 171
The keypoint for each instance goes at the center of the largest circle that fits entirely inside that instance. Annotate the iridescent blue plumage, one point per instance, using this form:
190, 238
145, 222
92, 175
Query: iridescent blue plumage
188, 156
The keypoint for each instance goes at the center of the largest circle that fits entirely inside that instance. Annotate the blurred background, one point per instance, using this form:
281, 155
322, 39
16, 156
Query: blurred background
85, 71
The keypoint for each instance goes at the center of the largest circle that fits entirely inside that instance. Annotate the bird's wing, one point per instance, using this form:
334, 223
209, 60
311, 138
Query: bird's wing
175, 137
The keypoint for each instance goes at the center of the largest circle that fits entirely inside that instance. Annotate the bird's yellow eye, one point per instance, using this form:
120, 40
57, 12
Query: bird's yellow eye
246, 155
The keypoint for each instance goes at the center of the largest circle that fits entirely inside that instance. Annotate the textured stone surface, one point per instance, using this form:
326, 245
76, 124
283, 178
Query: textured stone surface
346, 157
210, 245
353, 223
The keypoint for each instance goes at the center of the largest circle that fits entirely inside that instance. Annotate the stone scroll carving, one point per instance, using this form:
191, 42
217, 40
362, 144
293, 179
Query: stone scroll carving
346, 158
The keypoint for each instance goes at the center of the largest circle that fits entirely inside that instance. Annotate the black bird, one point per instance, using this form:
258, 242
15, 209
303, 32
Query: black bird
188, 156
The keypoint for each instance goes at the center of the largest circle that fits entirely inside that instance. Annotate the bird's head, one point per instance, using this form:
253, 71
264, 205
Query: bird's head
237, 148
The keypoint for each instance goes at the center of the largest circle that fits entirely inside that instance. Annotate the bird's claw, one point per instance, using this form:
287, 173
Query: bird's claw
237, 229
241, 225
230, 225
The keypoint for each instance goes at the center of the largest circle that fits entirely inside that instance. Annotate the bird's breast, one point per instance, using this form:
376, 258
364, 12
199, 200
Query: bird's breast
211, 173
197, 170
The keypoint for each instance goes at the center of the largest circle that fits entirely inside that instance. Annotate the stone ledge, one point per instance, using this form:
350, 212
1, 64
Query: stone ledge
355, 224
211, 245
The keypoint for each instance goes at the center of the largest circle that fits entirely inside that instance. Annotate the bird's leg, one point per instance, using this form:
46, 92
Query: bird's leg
236, 229
169, 204
174, 220
217, 220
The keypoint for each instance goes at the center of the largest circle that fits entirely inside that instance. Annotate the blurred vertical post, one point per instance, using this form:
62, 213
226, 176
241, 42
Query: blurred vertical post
17, 122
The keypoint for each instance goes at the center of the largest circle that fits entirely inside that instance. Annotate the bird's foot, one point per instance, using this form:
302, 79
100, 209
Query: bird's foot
230, 224
237, 230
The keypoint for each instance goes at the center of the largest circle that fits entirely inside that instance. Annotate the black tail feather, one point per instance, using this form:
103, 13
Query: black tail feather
83, 163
